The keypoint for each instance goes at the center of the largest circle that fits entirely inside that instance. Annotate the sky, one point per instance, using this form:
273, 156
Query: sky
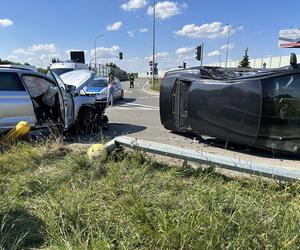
36, 31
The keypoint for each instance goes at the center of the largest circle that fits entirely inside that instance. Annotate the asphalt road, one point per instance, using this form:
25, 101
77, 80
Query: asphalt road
137, 115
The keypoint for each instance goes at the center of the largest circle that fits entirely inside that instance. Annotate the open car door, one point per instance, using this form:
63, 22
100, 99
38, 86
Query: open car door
67, 102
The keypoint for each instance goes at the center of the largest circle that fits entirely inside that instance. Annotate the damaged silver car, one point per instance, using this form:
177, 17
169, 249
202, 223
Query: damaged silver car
45, 101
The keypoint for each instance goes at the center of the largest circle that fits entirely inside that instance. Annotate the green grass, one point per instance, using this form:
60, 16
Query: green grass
53, 198
156, 86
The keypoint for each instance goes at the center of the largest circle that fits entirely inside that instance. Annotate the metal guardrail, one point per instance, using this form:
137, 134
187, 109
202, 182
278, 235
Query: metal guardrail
264, 170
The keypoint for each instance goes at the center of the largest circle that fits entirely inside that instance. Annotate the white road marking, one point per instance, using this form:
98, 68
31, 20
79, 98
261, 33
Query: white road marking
133, 108
146, 97
137, 105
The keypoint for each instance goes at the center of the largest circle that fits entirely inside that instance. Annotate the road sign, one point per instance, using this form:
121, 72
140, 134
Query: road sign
289, 38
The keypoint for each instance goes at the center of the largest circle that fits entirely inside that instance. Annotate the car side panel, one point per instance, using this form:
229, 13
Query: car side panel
226, 110
15, 106
117, 90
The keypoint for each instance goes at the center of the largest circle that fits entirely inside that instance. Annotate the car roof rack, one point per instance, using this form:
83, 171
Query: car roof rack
17, 66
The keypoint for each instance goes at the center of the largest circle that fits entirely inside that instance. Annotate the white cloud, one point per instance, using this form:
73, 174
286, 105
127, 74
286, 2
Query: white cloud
164, 10
208, 30
185, 51
23, 52
49, 56
131, 33
105, 52
231, 46
214, 53
49, 47
6, 22
114, 26
143, 30
162, 55
134, 4
12, 58
158, 56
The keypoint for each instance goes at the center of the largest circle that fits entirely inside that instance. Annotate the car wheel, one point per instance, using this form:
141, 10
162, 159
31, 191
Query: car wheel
87, 122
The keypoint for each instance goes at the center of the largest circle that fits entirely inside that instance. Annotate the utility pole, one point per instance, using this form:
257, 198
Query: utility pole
153, 56
227, 50
202, 54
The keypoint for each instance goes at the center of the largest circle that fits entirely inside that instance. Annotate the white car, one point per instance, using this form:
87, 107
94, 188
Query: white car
98, 87
64, 67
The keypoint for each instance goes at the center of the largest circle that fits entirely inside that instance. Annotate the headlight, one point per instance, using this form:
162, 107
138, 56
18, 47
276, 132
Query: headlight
104, 93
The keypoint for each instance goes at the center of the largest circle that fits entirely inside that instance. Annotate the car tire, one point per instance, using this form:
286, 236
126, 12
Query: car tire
87, 121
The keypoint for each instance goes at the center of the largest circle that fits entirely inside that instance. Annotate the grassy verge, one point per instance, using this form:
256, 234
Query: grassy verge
156, 86
53, 198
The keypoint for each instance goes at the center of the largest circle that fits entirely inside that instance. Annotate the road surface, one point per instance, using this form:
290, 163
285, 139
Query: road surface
137, 115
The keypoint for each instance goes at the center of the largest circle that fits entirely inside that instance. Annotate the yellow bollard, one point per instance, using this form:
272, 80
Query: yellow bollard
21, 129
97, 151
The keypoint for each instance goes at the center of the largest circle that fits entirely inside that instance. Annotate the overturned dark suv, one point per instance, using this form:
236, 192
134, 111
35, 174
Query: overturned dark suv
257, 108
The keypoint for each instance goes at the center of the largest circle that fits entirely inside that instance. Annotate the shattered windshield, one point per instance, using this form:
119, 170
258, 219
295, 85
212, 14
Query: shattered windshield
61, 71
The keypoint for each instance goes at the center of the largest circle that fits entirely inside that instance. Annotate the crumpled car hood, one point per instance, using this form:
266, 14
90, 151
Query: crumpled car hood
78, 78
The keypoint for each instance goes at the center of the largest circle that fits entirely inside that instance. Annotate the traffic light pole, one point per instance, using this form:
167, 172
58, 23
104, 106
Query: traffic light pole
202, 54
153, 71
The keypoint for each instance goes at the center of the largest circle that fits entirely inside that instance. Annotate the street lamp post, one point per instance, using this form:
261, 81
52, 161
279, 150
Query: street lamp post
227, 49
96, 50
153, 67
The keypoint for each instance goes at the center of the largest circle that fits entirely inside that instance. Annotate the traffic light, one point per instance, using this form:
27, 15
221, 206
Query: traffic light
184, 65
121, 55
199, 53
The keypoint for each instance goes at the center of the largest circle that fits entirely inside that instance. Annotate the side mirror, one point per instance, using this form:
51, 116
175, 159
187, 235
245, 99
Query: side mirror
70, 88
293, 60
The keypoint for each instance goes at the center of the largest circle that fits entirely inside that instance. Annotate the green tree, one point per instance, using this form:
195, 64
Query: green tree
55, 60
245, 63
112, 65
41, 70
8, 62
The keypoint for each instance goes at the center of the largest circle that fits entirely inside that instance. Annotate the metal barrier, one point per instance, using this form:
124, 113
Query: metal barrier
264, 170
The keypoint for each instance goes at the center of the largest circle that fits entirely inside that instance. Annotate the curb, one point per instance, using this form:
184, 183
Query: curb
150, 91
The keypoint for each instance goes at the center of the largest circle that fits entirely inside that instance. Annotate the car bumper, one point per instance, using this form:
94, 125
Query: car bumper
101, 99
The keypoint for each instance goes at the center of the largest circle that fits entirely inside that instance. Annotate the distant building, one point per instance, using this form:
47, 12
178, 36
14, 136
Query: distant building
270, 62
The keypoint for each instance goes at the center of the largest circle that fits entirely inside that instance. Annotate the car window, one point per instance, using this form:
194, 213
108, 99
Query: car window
281, 106
59, 81
98, 83
61, 71
36, 85
10, 82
